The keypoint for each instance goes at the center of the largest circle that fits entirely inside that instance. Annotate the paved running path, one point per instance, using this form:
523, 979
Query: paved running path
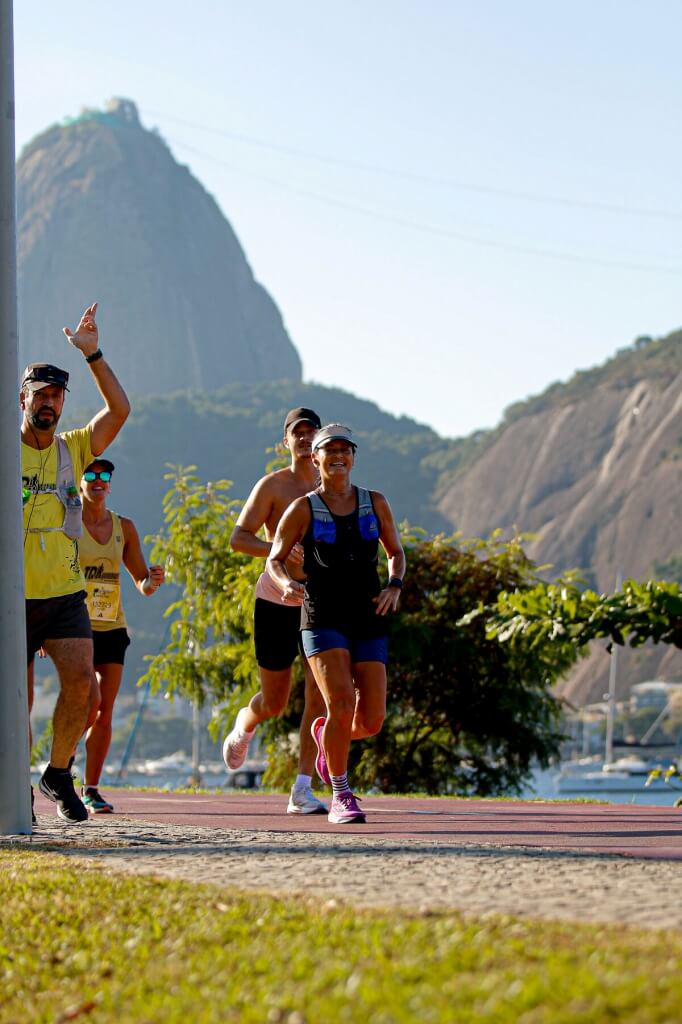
654, 832
576, 862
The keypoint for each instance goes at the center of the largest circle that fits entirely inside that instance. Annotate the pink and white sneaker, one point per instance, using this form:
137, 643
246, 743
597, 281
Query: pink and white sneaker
345, 810
320, 761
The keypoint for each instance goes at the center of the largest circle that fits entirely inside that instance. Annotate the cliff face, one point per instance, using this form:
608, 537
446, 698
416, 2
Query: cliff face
595, 472
105, 213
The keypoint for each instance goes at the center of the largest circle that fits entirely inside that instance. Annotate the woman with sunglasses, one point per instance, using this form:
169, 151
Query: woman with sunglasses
108, 541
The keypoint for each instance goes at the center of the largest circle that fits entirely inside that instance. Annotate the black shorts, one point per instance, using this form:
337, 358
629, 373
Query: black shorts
276, 634
110, 646
56, 618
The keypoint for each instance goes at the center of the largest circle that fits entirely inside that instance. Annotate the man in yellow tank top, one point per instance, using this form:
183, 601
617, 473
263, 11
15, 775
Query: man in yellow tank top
108, 541
56, 616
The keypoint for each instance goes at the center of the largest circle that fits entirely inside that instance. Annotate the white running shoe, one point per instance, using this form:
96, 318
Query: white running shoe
303, 801
236, 743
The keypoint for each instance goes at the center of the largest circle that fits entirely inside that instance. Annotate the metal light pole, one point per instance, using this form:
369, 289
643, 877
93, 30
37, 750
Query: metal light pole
15, 806
611, 695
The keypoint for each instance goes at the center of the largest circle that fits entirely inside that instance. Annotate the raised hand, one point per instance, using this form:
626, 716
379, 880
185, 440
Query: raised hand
86, 336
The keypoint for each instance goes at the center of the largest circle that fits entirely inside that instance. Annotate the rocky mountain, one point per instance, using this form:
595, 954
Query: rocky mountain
105, 213
593, 468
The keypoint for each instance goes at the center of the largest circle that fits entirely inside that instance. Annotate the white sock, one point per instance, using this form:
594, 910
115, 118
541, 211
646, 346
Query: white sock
303, 781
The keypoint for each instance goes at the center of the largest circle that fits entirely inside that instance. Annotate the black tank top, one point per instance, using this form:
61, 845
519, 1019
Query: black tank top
342, 579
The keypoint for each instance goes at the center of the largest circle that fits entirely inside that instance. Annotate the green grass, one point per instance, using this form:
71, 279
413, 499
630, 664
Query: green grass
79, 943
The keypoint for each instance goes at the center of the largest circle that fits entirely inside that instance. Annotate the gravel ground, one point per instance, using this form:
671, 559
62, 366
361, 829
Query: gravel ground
366, 871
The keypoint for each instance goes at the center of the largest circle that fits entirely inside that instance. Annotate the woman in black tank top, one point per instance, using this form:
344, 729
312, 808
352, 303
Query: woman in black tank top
345, 606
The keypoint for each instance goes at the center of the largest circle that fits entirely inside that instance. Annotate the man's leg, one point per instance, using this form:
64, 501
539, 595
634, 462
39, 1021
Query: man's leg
275, 631
270, 700
302, 800
72, 658
314, 707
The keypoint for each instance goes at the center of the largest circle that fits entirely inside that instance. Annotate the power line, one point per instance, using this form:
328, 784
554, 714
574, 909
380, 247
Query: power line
463, 186
434, 229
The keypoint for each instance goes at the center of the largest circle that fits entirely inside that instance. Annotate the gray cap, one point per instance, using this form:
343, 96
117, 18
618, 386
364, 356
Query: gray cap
333, 432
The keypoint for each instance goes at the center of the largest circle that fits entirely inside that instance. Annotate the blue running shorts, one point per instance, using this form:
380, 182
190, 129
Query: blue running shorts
373, 648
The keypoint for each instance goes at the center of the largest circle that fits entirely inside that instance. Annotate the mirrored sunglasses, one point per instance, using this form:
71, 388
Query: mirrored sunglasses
103, 474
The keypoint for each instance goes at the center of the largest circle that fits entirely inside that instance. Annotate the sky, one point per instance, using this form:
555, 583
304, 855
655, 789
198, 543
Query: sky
454, 204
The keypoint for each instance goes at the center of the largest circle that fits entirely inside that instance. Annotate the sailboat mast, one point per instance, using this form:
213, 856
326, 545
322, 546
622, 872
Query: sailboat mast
611, 695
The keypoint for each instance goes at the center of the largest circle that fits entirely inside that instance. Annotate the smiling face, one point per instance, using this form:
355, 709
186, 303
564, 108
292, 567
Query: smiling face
334, 459
95, 490
43, 408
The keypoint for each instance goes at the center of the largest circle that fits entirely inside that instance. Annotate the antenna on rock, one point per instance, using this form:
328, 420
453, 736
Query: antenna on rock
125, 109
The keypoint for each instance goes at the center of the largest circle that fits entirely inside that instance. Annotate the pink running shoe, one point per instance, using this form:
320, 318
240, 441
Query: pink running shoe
345, 811
320, 761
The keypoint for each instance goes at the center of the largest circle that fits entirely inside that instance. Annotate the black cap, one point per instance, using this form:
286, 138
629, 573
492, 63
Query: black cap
100, 462
302, 415
40, 375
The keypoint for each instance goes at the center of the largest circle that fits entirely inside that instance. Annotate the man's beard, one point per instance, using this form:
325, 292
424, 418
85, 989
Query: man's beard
43, 424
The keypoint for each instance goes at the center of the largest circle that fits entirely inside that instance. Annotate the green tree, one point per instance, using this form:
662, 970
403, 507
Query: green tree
210, 653
464, 714
476, 648
570, 617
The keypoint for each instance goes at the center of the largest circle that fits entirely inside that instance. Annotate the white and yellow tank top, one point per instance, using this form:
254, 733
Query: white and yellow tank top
101, 565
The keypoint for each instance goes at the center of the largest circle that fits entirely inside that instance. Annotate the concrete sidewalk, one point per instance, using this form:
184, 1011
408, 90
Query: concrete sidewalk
605, 863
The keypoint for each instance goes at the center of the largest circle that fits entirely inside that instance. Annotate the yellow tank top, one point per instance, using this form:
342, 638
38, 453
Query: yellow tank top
101, 565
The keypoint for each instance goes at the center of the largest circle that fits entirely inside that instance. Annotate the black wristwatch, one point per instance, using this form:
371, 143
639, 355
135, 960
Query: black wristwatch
395, 581
94, 356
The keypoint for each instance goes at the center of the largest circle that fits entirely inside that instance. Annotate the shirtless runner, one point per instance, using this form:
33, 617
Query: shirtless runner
277, 619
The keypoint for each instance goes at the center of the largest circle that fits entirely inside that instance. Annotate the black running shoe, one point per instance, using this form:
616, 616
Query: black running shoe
57, 785
34, 820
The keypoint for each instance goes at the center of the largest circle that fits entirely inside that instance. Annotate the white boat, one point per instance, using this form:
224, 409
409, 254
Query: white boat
171, 763
631, 774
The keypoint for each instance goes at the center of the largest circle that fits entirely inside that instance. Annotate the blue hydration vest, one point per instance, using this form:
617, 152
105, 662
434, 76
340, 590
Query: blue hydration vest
324, 527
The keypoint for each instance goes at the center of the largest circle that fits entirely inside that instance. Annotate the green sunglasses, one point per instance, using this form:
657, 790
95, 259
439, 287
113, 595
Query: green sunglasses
103, 474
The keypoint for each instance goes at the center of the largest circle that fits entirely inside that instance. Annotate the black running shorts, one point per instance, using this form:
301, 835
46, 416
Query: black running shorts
56, 618
276, 634
110, 646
